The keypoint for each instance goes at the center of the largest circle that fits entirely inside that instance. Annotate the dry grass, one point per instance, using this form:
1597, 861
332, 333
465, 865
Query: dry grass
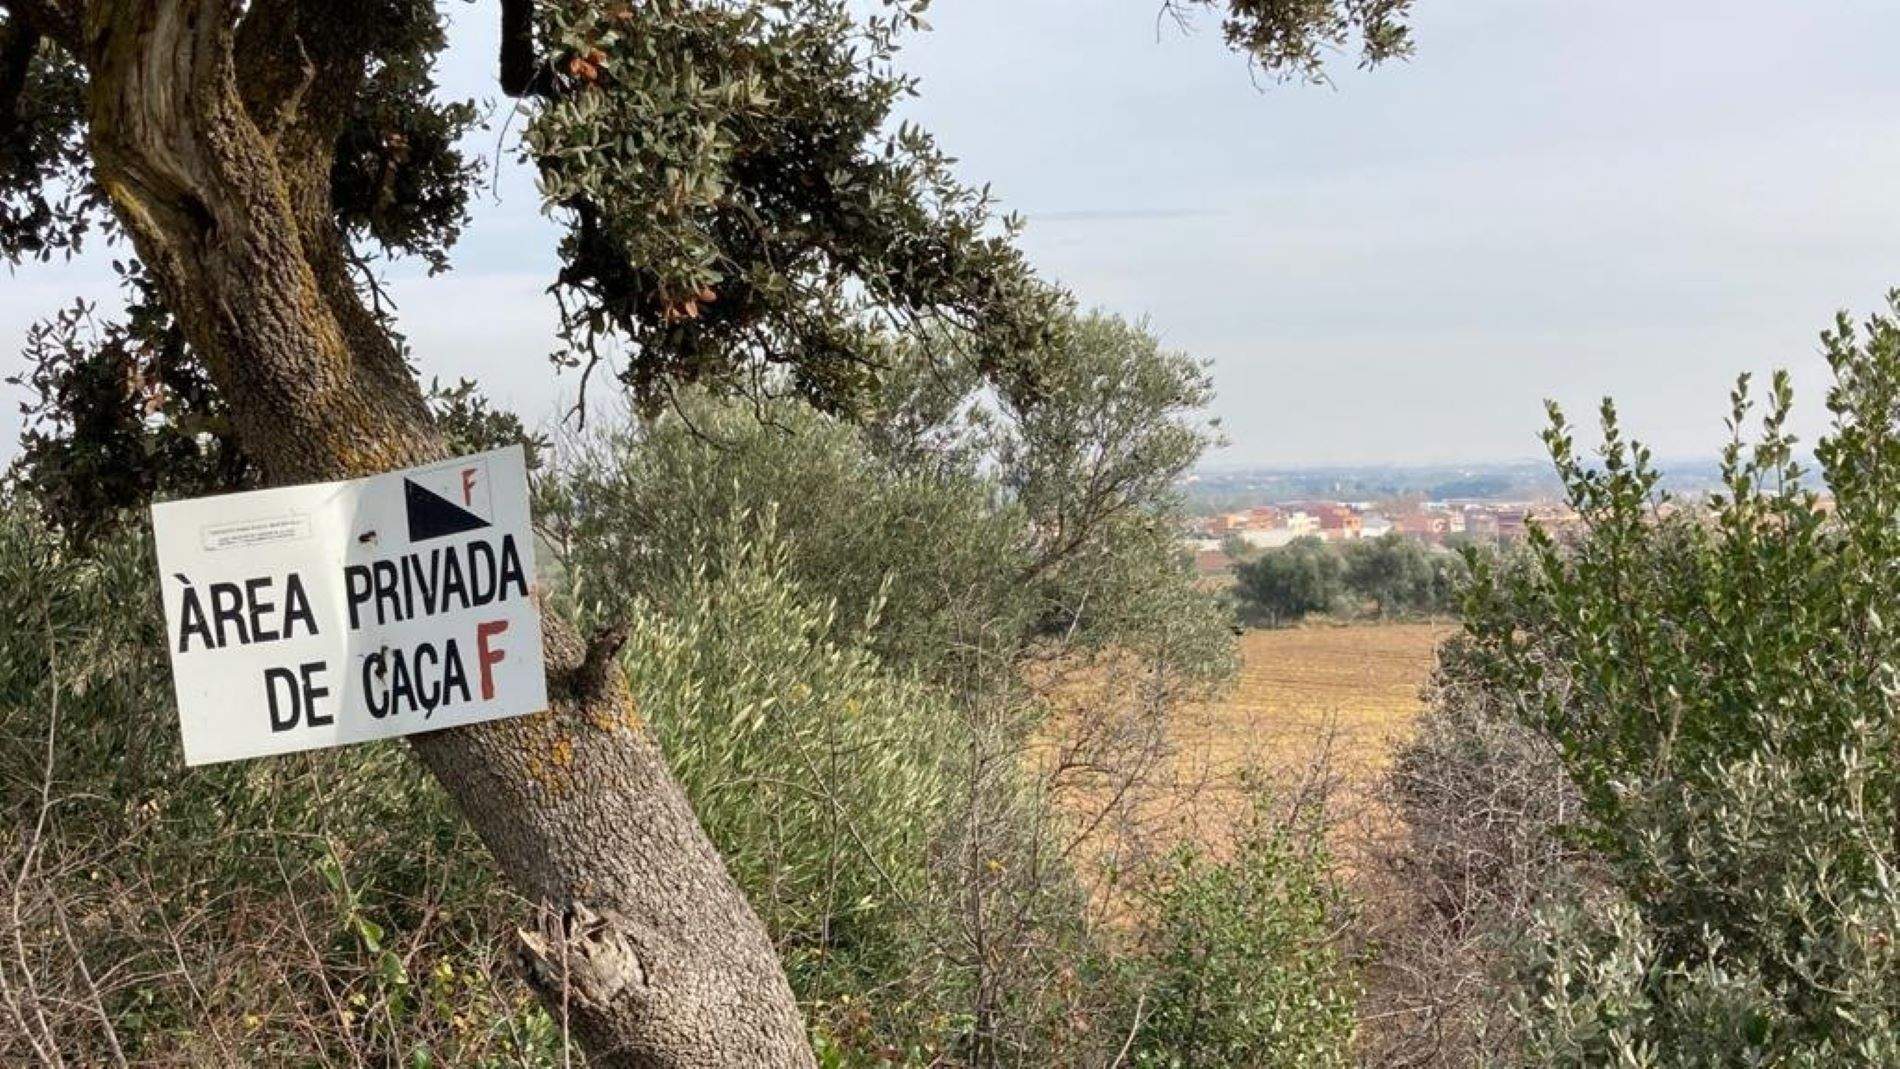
1337, 697
1317, 710
1365, 680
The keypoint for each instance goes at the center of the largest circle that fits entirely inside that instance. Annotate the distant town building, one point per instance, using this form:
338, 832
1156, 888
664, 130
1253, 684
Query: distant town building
1510, 523
1428, 527
1555, 519
1301, 523
1268, 527
1268, 538
1212, 562
1338, 522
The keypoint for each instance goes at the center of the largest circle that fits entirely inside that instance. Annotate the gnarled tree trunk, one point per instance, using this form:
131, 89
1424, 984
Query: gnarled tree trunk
222, 180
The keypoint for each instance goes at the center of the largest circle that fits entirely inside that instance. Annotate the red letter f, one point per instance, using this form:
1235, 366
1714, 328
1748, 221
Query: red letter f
489, 658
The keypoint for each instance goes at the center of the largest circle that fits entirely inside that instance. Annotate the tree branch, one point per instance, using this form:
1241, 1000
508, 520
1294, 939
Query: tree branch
237, 228
17, 44
588, 680
273, 92
521, 73
301, 108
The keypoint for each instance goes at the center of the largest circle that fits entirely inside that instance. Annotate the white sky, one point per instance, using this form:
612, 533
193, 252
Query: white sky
1553, 199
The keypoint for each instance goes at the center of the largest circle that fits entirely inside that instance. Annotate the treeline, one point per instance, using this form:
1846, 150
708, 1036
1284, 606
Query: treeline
1389, 576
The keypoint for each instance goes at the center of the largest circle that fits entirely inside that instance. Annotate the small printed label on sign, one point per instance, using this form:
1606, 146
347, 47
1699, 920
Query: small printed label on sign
219, 536
312, 616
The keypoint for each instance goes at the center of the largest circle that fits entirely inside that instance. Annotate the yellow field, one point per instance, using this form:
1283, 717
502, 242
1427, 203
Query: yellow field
1306, 697
1315, 710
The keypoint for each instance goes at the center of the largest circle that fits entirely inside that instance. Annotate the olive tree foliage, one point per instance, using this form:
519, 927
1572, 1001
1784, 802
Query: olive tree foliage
1718, 685
961, 536
1292, 40
1012, 576
956, 517
1402, 575
1283, 586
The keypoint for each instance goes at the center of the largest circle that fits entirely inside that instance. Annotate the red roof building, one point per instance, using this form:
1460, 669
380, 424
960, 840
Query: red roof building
1338, 521
1212, 562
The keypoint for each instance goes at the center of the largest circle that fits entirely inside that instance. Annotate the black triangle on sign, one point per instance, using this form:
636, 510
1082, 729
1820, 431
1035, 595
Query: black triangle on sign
432, 516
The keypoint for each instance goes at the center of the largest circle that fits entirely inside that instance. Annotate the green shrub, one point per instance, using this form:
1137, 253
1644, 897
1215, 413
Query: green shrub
822, 778
1241, 963
1719, 684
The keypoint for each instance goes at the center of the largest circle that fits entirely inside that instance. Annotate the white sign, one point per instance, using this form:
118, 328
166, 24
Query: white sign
312, 616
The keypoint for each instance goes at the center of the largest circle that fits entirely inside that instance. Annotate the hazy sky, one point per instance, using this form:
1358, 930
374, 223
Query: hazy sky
1553, 199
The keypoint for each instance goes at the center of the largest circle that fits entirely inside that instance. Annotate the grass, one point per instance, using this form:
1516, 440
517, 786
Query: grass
1316, 710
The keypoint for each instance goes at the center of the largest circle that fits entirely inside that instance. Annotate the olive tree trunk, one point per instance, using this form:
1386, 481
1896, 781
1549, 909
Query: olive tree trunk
221, 178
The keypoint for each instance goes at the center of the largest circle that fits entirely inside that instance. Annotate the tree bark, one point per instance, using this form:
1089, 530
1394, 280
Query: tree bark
647, 947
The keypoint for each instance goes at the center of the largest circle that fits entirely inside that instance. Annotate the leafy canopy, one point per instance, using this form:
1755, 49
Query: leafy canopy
739, 210
1290, 39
